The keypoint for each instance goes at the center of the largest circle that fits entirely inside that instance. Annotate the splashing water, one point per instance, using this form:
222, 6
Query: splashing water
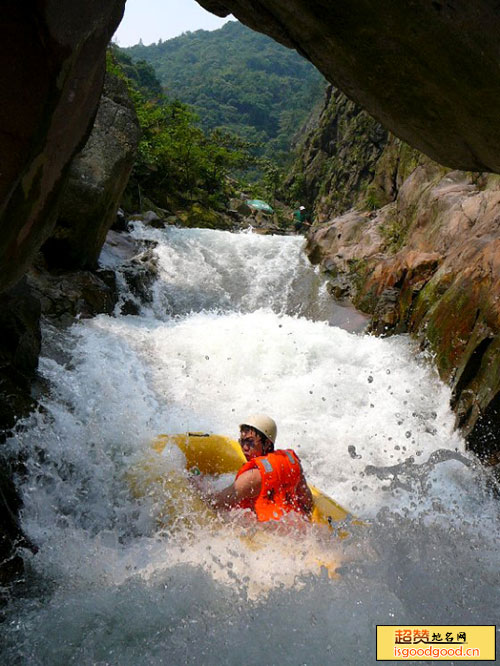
241, 323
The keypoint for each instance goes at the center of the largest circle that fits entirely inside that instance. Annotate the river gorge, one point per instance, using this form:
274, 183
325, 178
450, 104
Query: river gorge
394, 408
238, 323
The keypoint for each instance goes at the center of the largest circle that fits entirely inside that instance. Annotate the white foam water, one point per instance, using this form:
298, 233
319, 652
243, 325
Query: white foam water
241, 323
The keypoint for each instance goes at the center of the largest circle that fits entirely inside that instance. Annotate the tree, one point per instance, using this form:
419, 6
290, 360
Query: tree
239, 81
272, 179
176, 158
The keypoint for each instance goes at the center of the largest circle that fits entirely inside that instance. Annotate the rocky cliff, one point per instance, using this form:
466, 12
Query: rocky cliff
428, 263
58, 286
96, 180
414, 245
345, 159
53, 63
89, 200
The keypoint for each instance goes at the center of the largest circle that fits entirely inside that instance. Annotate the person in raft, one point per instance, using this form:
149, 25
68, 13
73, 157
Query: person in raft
271, 483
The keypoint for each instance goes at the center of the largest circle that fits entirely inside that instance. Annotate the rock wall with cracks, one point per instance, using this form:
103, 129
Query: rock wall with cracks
413, 244
428, 263
52, 55
97, 177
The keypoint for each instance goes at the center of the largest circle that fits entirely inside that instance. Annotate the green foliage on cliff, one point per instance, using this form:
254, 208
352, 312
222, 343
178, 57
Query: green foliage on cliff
239, 81
177, 162
140, 74
337, 159
394, 230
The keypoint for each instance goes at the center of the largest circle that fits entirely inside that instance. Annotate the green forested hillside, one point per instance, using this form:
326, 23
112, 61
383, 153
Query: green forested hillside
177, 163
239, 81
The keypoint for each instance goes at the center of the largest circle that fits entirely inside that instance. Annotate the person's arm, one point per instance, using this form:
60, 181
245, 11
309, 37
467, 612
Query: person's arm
246, 486
304, 497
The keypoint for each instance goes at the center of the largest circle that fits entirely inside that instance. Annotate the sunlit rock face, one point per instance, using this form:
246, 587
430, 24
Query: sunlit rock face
429, 263
53, 63
428, 71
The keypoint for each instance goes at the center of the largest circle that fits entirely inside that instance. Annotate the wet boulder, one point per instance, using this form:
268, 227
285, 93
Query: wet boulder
66, 295
19, 350
429, 264
140, 273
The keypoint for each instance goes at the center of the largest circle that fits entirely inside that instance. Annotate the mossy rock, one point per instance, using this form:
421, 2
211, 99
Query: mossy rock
204, 218
449, 320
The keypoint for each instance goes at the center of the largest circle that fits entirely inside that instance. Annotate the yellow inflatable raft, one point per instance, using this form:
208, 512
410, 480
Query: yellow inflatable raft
177, 499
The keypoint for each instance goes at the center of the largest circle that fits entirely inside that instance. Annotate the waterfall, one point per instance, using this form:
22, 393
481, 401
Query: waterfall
241, 323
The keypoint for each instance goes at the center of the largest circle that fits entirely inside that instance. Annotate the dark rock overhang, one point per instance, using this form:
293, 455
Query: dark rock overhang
428, 70
53, 62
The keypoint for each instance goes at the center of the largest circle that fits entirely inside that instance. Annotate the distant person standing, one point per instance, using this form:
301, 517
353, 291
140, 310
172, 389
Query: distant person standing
271, 483
301, 219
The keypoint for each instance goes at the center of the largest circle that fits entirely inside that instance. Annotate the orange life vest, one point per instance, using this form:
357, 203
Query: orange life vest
280, 473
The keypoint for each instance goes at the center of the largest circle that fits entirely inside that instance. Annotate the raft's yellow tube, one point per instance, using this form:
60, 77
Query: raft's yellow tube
210, 454
179, 504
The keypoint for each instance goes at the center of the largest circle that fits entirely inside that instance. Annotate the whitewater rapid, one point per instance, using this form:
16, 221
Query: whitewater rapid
240, 323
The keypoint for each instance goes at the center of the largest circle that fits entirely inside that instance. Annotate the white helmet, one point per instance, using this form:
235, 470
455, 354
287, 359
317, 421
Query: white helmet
264, 424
